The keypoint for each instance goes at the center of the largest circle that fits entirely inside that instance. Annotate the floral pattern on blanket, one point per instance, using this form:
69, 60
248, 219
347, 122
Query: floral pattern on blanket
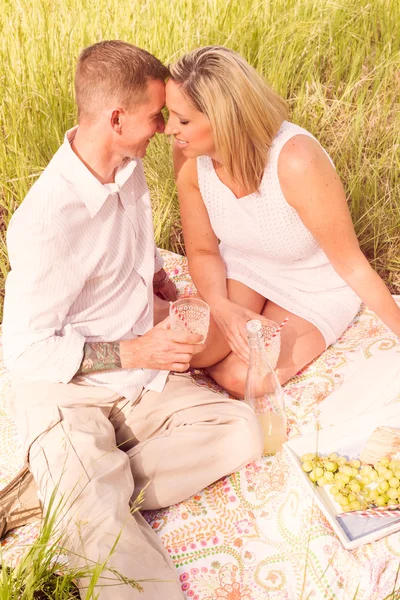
255, 534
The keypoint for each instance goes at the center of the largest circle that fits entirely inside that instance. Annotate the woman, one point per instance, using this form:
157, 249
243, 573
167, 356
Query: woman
268, 191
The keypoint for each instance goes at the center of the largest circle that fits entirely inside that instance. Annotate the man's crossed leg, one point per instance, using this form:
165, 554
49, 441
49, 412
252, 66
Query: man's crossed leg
105, 450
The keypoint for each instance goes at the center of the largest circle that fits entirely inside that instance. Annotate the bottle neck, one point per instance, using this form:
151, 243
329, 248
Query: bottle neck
258, 352
254, 339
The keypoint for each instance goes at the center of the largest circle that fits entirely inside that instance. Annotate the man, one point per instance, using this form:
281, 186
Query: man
100, 415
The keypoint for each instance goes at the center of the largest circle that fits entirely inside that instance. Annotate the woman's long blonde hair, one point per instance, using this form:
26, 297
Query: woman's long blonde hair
244, 112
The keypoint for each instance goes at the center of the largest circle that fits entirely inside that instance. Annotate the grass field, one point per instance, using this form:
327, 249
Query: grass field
336, 61
43, 573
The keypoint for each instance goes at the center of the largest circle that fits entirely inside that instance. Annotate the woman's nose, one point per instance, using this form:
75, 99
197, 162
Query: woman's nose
169, 128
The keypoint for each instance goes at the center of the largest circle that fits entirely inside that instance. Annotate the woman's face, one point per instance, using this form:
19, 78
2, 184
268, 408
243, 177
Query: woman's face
190, 127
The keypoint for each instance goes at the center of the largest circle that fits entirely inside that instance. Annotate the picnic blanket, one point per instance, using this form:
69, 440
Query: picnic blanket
256, 535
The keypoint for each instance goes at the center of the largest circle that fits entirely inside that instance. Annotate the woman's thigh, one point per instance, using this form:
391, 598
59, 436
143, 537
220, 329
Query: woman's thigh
244, 296
217, 347
301, 341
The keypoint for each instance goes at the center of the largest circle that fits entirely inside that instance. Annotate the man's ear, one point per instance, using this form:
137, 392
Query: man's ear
116, 120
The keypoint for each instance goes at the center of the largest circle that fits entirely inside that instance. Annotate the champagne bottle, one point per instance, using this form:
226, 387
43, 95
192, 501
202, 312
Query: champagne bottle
263, 392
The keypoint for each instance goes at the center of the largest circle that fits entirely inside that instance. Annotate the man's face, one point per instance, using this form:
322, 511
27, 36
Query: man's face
141, 123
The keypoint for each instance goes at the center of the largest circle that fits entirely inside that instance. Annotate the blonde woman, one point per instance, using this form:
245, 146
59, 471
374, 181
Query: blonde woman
265, 219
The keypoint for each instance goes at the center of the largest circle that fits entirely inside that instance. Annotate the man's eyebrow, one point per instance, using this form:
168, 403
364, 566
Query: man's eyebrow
157, 112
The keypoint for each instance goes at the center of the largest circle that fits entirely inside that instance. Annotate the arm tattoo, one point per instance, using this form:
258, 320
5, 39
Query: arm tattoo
100, 356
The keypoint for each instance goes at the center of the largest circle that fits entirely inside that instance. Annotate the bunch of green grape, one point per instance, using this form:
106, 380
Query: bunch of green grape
355, 486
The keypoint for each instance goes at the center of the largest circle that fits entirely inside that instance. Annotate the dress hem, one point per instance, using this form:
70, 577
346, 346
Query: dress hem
329, 336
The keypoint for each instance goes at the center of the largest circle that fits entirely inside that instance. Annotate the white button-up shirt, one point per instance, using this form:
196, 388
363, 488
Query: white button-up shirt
82, 260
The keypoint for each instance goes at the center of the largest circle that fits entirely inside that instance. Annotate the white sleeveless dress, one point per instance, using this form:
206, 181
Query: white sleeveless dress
265, 245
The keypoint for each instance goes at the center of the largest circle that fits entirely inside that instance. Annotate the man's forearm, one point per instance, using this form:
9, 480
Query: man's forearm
100, 356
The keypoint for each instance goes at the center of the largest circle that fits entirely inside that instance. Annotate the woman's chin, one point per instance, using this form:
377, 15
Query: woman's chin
190, 152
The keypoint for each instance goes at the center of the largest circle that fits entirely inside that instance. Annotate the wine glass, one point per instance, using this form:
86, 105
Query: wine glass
271, 341
190, 314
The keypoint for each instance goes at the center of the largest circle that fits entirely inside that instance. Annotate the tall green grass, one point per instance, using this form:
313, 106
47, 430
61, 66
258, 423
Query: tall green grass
336, 61
43, 571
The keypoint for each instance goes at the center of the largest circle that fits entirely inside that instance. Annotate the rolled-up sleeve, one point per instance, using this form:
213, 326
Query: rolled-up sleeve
44, 280
158, 260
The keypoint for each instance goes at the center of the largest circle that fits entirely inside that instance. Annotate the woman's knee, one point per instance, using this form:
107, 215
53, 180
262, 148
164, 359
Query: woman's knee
231, 377
209, 357
233, 380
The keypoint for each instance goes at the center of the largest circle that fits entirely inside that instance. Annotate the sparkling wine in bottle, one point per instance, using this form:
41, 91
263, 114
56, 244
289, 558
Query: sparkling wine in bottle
264, 392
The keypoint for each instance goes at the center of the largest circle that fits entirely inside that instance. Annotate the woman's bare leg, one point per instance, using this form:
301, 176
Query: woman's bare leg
217, 347
301, 342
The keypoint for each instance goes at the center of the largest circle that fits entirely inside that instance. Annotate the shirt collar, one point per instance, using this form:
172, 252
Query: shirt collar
91, 190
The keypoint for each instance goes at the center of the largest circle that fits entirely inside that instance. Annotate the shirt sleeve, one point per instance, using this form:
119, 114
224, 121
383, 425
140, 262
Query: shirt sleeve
44, 281
158, 260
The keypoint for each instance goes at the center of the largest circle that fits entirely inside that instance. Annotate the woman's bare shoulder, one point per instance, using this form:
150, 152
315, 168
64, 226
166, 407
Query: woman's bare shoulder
299, 156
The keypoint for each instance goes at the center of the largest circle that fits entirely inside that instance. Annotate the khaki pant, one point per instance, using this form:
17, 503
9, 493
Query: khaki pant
103, 450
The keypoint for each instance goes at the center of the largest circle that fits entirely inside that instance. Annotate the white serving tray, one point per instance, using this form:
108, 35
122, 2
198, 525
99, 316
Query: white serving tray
347, 439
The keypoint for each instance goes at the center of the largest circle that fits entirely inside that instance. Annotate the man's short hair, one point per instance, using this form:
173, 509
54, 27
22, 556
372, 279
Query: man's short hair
114, 72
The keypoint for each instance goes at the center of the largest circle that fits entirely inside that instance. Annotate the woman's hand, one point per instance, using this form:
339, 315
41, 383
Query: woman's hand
231, 319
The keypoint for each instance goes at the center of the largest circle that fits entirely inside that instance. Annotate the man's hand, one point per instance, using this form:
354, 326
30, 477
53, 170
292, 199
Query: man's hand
163, 286
161, 349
